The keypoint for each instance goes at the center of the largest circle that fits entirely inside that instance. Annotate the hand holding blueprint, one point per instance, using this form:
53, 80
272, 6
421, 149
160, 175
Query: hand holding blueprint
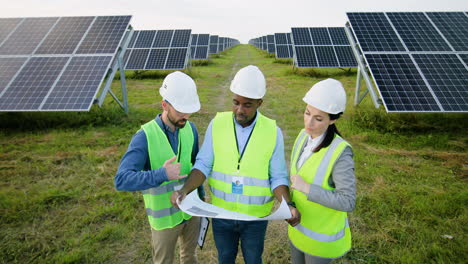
192, 205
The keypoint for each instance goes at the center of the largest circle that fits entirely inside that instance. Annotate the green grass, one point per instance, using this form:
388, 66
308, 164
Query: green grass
58, 203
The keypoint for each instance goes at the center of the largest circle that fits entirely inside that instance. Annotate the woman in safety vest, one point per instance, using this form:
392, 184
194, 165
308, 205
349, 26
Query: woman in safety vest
322, 179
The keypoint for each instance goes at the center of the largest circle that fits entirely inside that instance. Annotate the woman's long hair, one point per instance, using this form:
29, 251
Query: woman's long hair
330, 133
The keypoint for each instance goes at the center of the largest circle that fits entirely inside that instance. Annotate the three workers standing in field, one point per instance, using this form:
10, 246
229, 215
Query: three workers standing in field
245, 145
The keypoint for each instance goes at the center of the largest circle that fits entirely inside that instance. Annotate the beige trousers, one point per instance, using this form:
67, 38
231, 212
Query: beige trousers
164, 242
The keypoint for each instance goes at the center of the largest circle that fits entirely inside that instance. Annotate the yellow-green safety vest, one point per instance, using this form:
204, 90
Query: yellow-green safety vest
322, 232
256, 198
161, 213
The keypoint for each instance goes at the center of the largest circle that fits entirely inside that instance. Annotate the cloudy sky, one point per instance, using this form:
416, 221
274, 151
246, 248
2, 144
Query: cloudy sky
239, 19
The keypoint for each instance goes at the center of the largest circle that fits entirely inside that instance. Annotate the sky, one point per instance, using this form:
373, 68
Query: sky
239, 19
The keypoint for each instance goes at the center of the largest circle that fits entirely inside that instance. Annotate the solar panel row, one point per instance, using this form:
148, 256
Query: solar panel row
56, 63
158, 50
417, 59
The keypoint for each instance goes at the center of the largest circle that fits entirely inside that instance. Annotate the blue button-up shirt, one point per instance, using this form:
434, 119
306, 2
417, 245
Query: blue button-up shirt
135, 173
277, 169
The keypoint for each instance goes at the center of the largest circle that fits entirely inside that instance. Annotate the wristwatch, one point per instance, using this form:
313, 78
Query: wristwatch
293, 204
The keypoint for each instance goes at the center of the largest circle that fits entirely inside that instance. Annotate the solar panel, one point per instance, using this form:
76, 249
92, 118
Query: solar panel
447, 77
271, 43
291, 51
176, 58
280, 39
415, 58
65, 36
157, 59
301, 36
306, 56
213, 44
203, 40
56, 63
345, 56
137, 59
282, 45
289, 38
194, 39
320, 36
105, 35
417, 32
401, 83
145, 39
200, 47
181, 38
133, 40
220, 44
76, 88
464, 57
329, 47
326, 56
338, 36
8, 25
8, 68
27, 36
453, 26
374, 32
282, 52
201, 52
159, 50
32, 84
163, 39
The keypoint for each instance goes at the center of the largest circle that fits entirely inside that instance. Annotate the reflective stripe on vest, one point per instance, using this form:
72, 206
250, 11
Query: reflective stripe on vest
247, 180
256, 198
329, 235
169, 187
322, 169
322, 237
239, 198
161, 214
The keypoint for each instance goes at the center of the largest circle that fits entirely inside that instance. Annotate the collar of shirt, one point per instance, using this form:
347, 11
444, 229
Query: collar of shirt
173, 137
311, 144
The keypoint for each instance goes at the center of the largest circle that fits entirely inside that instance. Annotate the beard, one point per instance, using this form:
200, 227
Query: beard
180, 123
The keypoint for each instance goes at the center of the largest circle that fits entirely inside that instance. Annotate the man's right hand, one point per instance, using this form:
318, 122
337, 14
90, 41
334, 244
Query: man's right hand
173, 170
177, 195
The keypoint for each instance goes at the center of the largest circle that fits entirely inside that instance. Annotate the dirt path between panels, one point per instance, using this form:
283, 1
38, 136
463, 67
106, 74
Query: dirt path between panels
241, 59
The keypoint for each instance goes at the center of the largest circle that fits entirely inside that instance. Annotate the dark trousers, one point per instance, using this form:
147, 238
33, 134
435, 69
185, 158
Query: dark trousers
228, 233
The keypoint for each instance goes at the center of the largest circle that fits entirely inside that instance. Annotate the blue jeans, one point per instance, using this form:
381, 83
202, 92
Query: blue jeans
227, 234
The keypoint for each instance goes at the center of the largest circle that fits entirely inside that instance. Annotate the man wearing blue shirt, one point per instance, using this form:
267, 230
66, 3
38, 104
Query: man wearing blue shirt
157, 162
242, 157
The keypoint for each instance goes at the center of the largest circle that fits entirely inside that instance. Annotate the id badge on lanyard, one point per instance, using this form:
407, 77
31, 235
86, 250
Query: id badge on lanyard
237, 184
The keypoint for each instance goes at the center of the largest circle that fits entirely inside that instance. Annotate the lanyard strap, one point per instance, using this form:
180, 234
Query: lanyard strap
237, 143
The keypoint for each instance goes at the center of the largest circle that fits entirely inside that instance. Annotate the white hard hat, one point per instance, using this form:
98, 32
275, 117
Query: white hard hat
327, 95
249, 82
180, 91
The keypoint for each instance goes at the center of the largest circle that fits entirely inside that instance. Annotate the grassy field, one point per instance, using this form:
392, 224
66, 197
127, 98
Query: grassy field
58, 203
